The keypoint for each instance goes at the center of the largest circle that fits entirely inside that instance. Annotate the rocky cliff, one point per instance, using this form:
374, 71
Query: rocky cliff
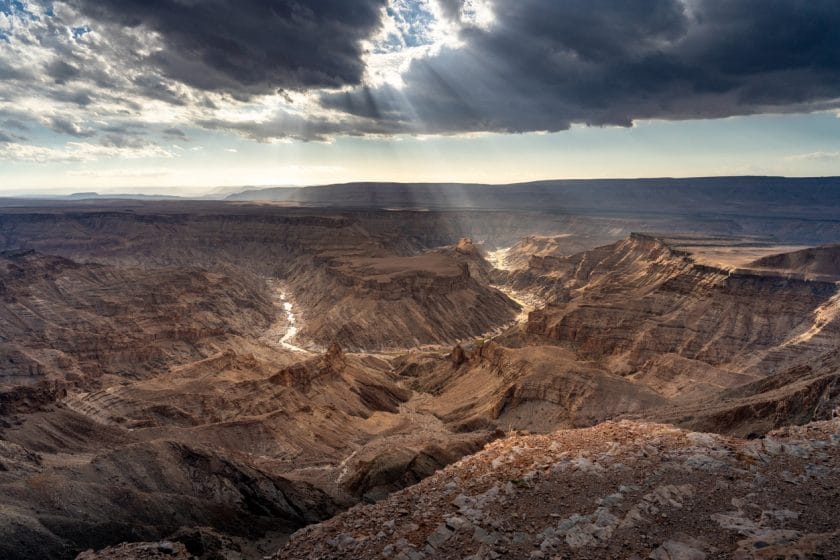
618, 490
637, 300
536, 388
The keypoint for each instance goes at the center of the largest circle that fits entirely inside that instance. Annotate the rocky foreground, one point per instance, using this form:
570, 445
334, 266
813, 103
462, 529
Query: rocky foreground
617, 490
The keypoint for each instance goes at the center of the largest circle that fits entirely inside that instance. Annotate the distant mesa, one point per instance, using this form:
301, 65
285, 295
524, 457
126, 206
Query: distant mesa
823, 260
732, 196
126, 196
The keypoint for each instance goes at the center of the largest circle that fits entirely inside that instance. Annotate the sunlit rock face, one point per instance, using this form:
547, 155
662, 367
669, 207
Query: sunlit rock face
639, 299
649, 312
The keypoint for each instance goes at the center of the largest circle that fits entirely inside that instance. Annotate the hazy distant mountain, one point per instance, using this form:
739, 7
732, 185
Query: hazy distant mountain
220, 193
729, 195
128, 196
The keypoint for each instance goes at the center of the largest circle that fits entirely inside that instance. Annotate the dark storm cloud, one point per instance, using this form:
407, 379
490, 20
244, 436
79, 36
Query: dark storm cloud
545, 64
247, 47
61, 72
451, 8
153, 87
295, 127
542, 65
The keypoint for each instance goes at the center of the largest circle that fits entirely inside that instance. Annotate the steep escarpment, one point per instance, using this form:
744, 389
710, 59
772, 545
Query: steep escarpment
636, 263
535, 388
145, 490
739, 352
77, 322
637, 300
398, 302
800, 394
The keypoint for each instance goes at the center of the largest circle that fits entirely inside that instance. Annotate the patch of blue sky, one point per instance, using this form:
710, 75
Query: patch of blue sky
392, 43
81, 31
13, 7
27, 10
412, 21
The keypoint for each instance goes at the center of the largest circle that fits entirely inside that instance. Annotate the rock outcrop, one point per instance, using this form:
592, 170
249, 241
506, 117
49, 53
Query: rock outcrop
535, 388
139, 551
154, 488
618, 490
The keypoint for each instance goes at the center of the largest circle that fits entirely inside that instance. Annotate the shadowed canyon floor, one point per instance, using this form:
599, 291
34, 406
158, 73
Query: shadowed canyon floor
204, 379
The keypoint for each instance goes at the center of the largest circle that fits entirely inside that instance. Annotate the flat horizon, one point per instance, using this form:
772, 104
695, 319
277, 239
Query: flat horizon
224, 191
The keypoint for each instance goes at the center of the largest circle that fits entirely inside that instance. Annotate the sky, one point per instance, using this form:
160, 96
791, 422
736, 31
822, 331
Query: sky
185, 97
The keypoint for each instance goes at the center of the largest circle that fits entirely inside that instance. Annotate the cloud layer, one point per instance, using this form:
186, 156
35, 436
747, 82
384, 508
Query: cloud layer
247, 47
545, 64
132, 78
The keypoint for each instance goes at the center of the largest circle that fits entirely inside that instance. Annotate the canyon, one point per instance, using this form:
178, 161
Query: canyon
510, 373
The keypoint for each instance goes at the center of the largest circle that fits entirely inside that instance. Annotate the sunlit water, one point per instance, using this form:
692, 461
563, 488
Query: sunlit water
291, 330
526, 301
